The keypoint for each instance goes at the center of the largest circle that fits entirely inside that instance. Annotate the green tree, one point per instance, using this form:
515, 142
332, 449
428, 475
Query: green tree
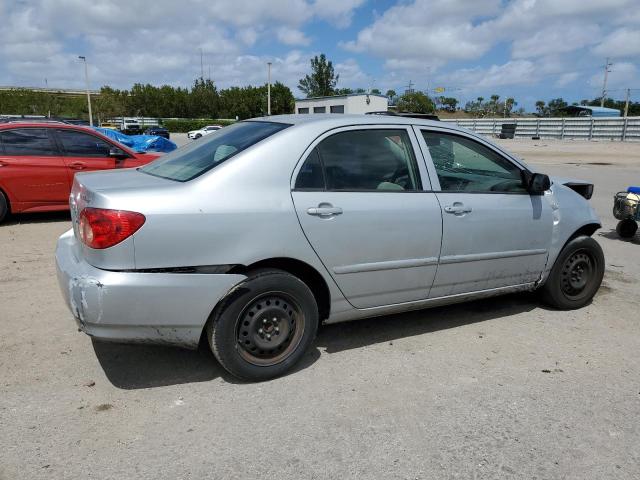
282, 100
541, 108
343, 91
557, 107
416, 102
391, 93
376, 91
448, 104
322, 80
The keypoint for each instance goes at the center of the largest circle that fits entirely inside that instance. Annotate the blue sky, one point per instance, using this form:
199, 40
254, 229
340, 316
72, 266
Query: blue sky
528, 49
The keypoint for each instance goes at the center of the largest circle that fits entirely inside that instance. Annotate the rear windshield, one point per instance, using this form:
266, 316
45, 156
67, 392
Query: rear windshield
202, 155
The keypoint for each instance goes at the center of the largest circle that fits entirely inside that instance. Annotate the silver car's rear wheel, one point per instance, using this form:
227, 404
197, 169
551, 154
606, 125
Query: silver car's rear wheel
264, 326
269, 329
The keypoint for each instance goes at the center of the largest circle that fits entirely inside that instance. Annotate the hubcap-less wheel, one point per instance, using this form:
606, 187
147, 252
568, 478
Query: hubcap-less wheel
269, 329
577, 272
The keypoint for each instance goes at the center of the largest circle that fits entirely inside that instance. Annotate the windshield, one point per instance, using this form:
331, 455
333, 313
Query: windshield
191, 161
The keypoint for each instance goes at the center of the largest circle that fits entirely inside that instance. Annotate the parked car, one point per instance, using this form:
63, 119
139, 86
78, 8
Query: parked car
39, 159
130, 126
158, 131
194, 134
253, 236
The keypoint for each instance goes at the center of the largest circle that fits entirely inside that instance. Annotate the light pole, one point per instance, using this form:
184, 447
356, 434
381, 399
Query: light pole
86, 77
269, 88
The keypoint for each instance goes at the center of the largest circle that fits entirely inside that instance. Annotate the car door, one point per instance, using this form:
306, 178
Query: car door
31, 167
364, 204
495, 234
83, 151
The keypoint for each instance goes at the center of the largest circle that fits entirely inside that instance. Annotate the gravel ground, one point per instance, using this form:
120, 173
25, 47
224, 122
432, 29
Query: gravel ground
502, 388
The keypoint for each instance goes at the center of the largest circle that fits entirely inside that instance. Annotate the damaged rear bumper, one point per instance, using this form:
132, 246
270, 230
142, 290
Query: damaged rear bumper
164, 308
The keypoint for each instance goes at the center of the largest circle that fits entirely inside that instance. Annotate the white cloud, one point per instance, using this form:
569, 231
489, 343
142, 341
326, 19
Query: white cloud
516, 72
622, 75
620, 43
553, 40
292, 36
155, 41
339, 12
426, 33
566, 79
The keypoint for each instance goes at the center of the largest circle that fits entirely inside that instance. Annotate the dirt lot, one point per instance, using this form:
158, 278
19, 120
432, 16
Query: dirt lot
502, 388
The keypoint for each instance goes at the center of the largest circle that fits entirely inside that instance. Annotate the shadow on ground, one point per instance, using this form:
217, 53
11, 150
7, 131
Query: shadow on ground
39, 217
613, 235
356, 334
146, 366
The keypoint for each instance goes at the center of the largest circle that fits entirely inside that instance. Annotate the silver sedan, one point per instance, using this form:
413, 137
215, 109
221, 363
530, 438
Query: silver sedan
252, 237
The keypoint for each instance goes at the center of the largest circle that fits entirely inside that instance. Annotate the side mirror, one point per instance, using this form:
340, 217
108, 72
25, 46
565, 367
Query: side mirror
117, 154
538, 184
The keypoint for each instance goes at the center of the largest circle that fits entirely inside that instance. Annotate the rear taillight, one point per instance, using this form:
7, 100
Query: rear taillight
101, 228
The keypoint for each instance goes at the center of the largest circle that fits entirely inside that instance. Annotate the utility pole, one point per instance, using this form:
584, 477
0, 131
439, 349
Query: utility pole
409, 87
201, 65
269, 88
626, 103
604, 84
86, 77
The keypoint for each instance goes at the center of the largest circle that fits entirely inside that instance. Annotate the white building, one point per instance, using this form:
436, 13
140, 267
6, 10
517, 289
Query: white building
352, 103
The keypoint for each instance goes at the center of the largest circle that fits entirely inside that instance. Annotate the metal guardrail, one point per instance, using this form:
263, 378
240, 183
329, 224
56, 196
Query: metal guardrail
579, 128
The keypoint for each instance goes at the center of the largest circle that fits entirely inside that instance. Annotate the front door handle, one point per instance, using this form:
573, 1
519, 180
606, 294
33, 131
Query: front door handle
324, 210
457, 208
77, 165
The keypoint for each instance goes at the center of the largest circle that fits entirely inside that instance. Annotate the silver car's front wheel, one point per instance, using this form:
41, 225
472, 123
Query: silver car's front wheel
264, 326
576, 274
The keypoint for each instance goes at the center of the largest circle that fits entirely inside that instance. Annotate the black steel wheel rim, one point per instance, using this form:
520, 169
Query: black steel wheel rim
577, 274
269, 329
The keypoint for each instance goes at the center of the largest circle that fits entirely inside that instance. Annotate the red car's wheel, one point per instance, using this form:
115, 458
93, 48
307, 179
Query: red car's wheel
4, 207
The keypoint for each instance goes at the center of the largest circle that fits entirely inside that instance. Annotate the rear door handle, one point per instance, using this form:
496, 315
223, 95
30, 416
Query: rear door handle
457, 208
77, 165
324, 211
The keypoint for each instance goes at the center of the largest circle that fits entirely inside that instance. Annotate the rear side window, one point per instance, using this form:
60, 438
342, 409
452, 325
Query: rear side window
373, 159
80, 144
27, 141
191, 161
311, 176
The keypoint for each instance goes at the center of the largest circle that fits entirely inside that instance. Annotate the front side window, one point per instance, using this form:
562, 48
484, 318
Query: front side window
80, 144
191, 161
464, 165
27, 141
373, 159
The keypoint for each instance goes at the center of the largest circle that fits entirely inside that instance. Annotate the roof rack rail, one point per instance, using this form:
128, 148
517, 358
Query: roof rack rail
424, 116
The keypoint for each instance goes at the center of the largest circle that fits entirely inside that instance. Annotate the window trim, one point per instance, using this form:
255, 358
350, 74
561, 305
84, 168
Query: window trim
423, 176
54, 144
430, 165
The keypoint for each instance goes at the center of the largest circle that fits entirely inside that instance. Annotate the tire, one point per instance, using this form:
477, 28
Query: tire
4, 207
197, 136
576, 275
627, 228
264, 326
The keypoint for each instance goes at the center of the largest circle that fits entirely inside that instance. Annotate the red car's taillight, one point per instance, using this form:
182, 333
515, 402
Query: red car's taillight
101, 228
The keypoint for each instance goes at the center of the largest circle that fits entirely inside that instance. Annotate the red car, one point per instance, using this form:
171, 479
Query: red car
38, 162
